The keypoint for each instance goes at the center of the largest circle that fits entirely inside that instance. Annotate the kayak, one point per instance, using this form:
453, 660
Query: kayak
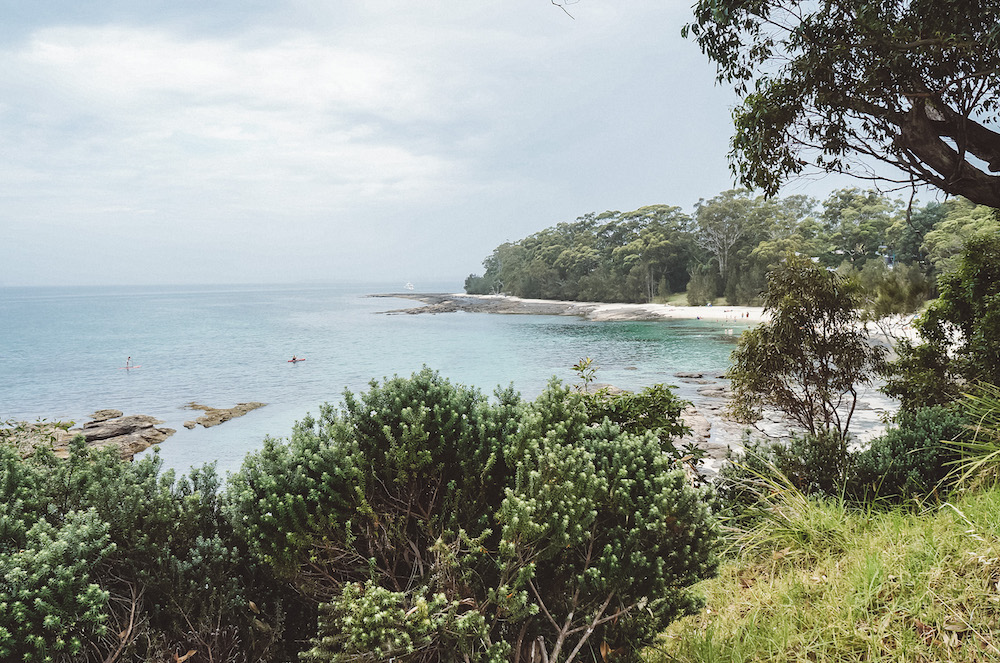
292, 361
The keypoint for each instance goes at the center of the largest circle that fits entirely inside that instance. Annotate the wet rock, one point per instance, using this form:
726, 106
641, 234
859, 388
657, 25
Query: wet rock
214, 416
720, 391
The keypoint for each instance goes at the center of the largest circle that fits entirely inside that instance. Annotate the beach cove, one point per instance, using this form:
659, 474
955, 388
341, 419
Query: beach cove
708, 391
225, 345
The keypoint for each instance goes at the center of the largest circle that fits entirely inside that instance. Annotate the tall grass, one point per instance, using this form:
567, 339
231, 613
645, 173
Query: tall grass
979, 464
786, 522
816, 581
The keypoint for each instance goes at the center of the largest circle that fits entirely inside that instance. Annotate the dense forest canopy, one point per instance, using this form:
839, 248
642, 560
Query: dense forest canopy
727, 245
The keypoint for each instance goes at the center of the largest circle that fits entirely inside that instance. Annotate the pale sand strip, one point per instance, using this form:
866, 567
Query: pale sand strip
669, 311
623, 311
597, 311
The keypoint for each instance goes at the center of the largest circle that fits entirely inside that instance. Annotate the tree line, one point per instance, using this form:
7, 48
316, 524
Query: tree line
727, 246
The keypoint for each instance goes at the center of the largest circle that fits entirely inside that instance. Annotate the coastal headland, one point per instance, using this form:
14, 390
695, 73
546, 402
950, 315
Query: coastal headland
596, 311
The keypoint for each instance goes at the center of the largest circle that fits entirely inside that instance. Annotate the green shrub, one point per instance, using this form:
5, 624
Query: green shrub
959, 332
654, 409
810, 464
432, 523
50, 605
911, 458
112, 560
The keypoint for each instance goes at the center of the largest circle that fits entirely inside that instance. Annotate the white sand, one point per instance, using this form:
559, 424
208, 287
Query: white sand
617, 311
669, 311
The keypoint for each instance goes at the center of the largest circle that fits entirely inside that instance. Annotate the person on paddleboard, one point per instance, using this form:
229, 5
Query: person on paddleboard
128, 362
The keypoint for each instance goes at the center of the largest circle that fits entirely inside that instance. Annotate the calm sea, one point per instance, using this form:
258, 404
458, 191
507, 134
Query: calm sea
62, 351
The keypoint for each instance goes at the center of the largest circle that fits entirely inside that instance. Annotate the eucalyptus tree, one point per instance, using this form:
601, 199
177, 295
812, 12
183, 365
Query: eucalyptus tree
728, 227
611, 256
911, 83
959, 333
945, 242
857, 223
655, 261
906, 235
808, 359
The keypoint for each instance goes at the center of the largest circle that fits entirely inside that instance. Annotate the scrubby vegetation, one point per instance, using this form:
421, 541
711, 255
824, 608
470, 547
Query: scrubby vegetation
884, 554
887, 552
821, 581
421, 521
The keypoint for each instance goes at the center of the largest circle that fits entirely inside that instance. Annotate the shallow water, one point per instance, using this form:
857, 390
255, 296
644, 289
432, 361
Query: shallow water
62, 351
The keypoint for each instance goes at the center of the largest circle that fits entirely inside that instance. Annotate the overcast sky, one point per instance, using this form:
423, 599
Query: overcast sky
272, 141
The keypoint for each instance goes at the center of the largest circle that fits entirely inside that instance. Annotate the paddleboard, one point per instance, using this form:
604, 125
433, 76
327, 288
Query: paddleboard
129, 368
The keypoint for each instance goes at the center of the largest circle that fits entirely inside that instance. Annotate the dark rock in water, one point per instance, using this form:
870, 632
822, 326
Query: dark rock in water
130, 434
105, 429
694, 376
714, 392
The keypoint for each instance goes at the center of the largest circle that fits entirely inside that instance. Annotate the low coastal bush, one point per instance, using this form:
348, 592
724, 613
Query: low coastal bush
113, 561
431, 523
654, 409
911, 459
812, 464
914, 458
420, 521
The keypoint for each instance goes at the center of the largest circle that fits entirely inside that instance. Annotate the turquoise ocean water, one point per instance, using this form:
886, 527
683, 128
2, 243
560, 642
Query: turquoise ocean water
62, 351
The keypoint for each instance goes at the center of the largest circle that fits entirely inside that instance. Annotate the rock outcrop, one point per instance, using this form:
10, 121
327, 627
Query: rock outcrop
108, 428
130, 434
214, 416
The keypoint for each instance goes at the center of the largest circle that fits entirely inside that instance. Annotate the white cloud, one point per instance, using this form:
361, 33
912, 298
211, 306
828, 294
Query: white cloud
380, 130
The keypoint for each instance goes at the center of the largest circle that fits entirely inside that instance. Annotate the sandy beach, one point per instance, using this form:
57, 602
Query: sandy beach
597, 311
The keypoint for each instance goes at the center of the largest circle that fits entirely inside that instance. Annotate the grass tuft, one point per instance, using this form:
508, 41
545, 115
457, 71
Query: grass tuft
817, 581
979, 462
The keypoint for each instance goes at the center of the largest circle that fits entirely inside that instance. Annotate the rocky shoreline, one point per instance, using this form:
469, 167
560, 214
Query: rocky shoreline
214, 416
130, 434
